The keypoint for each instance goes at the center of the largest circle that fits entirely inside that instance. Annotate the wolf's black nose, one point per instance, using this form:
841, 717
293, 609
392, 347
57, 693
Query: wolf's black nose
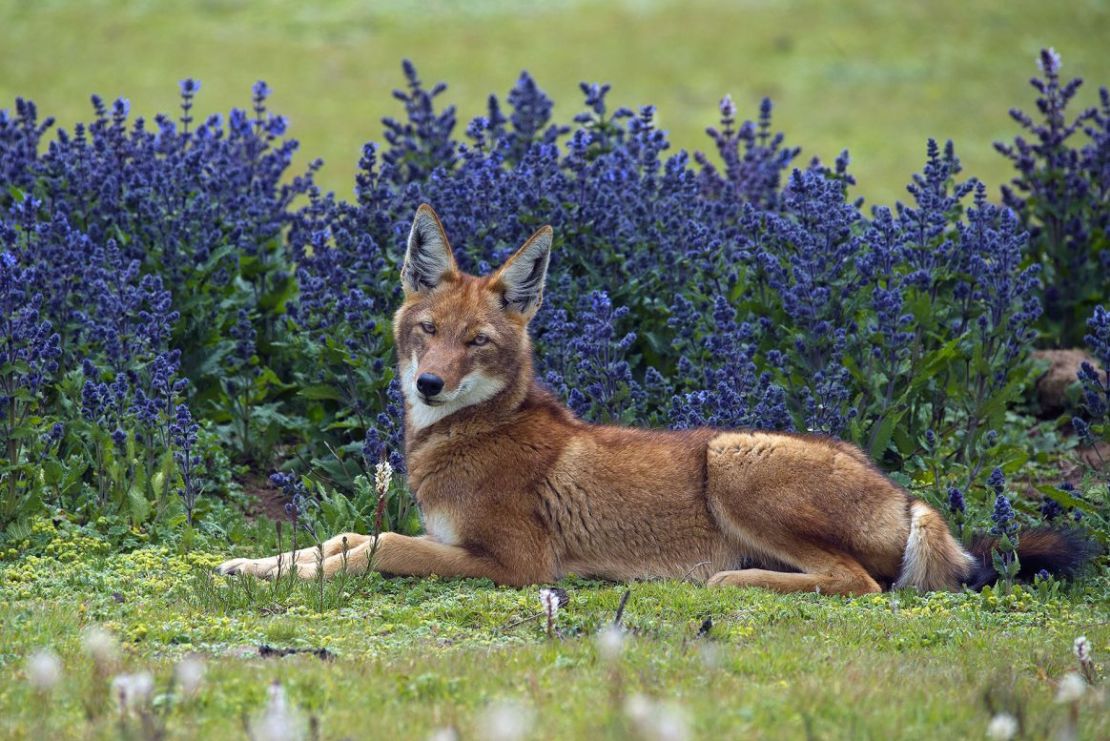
429, 384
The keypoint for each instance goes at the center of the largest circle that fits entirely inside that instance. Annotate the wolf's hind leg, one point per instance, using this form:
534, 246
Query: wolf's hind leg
267, 568
810, 504
838, 575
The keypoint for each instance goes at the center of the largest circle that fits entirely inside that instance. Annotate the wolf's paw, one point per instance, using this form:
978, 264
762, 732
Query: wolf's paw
263, 568
266, 568
725, 579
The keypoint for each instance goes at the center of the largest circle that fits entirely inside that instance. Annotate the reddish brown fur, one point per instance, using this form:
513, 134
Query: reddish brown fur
516, 489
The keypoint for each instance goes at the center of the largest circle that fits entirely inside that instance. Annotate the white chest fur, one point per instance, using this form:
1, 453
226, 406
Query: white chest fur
439, 525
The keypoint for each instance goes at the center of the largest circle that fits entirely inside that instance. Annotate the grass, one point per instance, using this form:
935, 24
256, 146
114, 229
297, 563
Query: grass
414, 656
876, 78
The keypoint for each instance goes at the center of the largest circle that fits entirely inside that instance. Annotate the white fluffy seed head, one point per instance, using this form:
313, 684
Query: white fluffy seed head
444, 734
1082, 649
710, 654
505, 721
278, 722
655, 720
610, 642
133, 691
549, 599
1071, 688
1002, 727
189, 674
100, 645
44, 670
671, 723
638, 708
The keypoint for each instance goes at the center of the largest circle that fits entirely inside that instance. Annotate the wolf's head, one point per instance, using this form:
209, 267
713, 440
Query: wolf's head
463, 340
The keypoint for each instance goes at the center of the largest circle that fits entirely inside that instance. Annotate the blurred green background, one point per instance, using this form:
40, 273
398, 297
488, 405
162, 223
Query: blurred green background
875, 76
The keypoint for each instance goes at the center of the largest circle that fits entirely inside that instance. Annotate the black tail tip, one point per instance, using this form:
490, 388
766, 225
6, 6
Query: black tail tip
1061, 552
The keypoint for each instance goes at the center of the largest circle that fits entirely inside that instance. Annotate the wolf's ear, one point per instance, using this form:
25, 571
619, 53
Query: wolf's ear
520, 280
428, 259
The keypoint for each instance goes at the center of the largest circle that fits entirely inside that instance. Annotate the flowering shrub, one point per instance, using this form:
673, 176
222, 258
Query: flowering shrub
1062, 194
198, 299
683, 296
1093, 424
152, 254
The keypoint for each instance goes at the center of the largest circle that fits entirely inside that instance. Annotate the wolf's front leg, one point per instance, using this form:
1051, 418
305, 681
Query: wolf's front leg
274, 566
402, 555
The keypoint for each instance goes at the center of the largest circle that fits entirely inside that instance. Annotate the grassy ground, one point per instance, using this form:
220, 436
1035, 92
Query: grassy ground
413, 656
875, 77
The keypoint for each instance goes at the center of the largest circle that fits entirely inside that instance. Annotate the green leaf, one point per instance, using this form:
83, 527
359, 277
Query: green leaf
274, 300
1015, 459
138, 505
321, 391
52, 471
904, 441
882, 436
1064, 499
267, 378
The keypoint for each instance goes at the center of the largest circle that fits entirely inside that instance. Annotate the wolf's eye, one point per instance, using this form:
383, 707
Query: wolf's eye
428, 327
479, 340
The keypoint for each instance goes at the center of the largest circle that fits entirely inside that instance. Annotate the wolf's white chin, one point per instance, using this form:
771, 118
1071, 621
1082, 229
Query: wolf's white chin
474, 388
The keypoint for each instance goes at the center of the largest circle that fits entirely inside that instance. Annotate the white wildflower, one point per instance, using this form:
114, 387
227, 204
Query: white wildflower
549, 599
505, 721
1002, 727
1082, 649
444, 734
189, 674
278, 721
638, 708
1071, 688
710, 654
658, 721
100, 645
383, 474
610, 642
671, 724
133, 690
44, 669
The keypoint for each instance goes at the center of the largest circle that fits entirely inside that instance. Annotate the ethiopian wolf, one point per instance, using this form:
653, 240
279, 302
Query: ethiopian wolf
514, 488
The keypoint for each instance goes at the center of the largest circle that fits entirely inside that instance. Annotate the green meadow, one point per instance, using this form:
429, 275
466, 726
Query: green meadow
143, 641
407, 658
876, 78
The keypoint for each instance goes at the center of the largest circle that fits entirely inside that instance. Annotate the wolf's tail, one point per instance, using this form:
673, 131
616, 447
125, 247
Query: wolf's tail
935, 560
1061, 552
